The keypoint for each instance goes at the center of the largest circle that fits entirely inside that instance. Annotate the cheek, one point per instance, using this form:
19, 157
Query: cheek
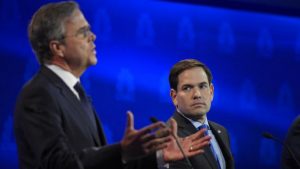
208, 100
182, 101
83, 47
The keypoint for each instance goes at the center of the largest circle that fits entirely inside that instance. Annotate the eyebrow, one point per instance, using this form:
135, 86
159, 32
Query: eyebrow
189, 84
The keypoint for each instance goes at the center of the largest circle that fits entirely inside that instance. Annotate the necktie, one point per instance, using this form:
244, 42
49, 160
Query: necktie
82, 96
211, 146
85, 104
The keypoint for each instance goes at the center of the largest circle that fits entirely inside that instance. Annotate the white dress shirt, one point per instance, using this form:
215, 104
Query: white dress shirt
213, 140
67, 77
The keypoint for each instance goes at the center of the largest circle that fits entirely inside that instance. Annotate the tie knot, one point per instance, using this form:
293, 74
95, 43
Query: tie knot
203, 126
79, 89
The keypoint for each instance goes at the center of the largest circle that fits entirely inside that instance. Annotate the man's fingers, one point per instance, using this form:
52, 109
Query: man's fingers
161, 146
198, 146
192, 153
163, 132
197, 135
130, 121
157, 144
150, 128
147, 137
201, 140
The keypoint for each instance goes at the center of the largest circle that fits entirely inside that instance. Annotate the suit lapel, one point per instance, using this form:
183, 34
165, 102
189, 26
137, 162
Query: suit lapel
100, 130
69, 95
186, 128
223, 143
76, 105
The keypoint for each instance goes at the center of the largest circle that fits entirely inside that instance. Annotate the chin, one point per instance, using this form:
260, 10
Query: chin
93, 61
199, 113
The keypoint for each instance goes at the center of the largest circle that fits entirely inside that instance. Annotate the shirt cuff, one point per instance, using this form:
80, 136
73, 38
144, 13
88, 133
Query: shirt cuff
161, 164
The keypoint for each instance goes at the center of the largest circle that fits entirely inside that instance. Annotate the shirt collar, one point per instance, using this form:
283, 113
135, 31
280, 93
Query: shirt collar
69, 79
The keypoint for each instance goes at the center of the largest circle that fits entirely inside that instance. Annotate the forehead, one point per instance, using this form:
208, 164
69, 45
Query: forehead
192, 76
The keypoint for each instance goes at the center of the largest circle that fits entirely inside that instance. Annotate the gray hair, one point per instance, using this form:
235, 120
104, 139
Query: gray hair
47, 24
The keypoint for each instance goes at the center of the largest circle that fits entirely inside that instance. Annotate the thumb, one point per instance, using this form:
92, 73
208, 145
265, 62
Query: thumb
130, 121
173, 127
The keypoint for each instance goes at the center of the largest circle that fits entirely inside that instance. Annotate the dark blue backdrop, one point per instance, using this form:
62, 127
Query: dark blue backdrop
254, 58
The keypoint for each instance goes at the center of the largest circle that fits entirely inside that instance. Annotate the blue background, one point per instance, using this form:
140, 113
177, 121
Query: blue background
254, 58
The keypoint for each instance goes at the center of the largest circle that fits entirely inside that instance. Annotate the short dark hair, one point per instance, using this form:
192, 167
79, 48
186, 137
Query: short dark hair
47, 24
183, 65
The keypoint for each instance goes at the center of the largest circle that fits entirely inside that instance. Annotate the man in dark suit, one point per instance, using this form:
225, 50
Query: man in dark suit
55, 124
293, 142
192, 93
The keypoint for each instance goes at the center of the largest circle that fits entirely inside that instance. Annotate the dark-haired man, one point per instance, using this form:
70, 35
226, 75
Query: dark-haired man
192, 92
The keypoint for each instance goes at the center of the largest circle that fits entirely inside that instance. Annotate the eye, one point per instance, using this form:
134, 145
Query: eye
187, 88
203, 86
85, 32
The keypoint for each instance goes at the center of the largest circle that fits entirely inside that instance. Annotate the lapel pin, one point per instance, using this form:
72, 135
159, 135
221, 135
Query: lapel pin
219, 131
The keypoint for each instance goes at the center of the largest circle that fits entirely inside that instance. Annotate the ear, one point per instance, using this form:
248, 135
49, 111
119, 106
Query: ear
57, 48
173, 95
211, 91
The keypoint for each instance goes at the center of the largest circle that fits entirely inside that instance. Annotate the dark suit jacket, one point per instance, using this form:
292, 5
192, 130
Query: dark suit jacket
53, 131
293, 142
205, 160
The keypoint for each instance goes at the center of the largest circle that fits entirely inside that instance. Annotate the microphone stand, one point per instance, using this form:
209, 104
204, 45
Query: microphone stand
154, 120
270, 136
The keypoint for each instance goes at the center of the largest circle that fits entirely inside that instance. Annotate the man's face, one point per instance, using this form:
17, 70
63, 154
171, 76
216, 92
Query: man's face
194, 94
79, 47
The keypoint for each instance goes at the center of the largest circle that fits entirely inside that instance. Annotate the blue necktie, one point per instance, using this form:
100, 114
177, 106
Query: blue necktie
210, 145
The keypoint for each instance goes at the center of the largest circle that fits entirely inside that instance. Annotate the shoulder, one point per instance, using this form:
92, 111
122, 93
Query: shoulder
218, 126
37, 86
296, 125
38, 91
297, 120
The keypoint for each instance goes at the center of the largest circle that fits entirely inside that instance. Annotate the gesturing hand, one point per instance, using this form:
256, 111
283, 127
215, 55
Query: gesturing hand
138, 143
192, 145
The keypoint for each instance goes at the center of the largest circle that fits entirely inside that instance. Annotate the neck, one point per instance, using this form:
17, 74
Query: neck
64, 65
200, 118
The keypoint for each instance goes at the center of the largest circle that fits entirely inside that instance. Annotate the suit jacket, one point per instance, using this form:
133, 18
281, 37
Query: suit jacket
205, 160
53, 130
293, 142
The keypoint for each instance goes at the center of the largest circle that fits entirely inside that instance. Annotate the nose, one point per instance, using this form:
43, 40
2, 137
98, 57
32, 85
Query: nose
197, 93
92, 36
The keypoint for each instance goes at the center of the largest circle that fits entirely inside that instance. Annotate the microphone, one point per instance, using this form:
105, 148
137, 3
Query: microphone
154, 120
270, 136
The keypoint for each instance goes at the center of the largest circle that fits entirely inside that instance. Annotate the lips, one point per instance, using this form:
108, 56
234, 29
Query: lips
94, 49
197, 104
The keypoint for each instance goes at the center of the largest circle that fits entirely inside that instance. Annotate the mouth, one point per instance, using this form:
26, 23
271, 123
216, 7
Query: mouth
94, 50
198, 104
